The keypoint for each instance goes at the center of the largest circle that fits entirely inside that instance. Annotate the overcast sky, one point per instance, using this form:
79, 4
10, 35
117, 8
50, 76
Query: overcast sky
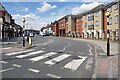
39, 13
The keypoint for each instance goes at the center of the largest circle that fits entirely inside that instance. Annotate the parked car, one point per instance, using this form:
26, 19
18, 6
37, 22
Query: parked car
42, 34
31, 35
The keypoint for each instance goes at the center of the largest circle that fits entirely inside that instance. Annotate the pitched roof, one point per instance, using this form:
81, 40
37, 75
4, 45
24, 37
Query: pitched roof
110, 4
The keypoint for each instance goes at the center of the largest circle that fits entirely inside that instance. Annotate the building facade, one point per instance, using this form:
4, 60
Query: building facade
92, 24
55, 28
62, 23
71, 30
79, 24
113, 26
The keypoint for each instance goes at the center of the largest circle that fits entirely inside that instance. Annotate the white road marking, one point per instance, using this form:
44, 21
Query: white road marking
6, 48
34, 70
4, 62
16, 65
6, 69
57, 59
53, 76
74, 64
29, 54
42, 56
65, 48
90, 61
14, 53
88, 67
90, 50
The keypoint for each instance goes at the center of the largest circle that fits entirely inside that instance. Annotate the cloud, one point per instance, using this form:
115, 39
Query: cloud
84, 7
32, 21
25, 10
53, 13
62, 0
45, 7
98, 0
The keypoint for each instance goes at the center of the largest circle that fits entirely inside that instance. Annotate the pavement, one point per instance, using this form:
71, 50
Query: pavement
106, 67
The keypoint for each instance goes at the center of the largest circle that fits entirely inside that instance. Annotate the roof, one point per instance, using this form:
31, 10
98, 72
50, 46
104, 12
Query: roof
2, 8
96, 9
110, 4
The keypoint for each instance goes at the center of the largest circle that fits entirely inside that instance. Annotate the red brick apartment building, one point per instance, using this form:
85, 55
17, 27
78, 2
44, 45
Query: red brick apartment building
55, 28
78, 23
62, 23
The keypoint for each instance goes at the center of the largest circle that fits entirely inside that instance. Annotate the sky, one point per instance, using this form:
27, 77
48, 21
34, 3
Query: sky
39, 13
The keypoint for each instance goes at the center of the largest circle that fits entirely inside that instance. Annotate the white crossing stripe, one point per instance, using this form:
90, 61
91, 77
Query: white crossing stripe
4, 62
29, 54
6, 70
34, 70
14, 53
16, 65
7, 48
57, 59
74, 64
53, 76
42, 56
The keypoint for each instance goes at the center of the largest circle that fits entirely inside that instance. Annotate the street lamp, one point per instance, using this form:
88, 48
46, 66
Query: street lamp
108, 34
23, 31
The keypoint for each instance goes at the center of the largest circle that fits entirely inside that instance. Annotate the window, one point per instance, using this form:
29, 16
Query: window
116, 18
85, 25
110, 20
110, 9
116, 31
97, 23
77, 20
116, 6
110, 32
90, 18
97, 13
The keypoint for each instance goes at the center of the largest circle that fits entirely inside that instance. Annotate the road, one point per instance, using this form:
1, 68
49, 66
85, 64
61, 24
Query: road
50, 57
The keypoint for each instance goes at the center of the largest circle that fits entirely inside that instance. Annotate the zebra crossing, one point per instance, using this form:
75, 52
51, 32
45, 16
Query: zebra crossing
72, 64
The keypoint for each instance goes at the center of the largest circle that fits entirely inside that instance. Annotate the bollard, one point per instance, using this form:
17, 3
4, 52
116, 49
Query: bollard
30, 41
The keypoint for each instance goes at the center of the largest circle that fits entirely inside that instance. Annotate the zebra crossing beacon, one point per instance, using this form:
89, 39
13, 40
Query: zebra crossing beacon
23, 31
108, 34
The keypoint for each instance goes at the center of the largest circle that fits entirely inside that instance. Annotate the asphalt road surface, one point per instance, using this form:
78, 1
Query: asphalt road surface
50, 57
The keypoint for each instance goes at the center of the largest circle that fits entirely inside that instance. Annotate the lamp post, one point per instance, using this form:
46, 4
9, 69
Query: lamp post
23, 31
108, 33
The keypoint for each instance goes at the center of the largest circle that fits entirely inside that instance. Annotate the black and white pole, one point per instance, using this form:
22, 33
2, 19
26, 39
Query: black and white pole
108, 37
108, 34
24, 32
